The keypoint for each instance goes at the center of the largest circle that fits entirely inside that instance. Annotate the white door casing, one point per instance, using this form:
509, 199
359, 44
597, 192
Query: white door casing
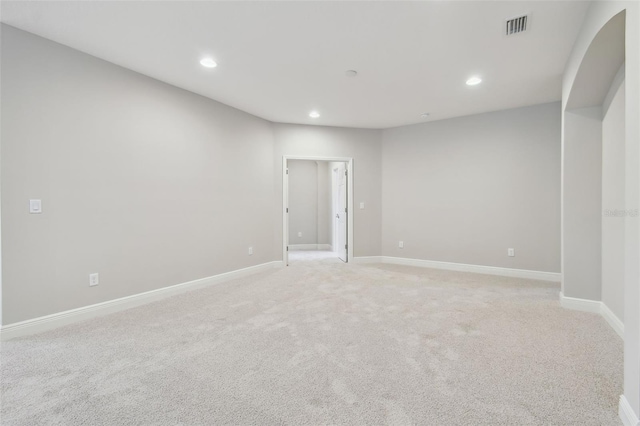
285, 209
285, 201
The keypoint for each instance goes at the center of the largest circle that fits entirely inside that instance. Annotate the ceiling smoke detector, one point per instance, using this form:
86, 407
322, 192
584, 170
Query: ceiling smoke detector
516, 25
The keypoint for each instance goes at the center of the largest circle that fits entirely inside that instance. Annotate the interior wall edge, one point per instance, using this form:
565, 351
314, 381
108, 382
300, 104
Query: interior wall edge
596, 307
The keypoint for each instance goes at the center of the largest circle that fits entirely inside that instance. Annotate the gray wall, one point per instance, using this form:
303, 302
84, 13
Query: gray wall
151, 186
598, 15
308, 202
360, 144
324, 203
613, 203
144, 183
582, 197
465, 190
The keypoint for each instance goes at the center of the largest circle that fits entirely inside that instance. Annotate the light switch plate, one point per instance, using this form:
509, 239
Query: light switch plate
361, 205
94, 279
511, 252
35, 206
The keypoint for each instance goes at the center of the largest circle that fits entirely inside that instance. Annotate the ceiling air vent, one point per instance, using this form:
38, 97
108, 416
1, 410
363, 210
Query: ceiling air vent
516, 25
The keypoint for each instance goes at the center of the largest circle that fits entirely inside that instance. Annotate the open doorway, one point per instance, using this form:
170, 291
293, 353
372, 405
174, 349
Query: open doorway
317, 201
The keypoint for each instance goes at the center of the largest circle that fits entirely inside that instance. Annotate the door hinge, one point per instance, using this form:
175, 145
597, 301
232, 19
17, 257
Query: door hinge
345, 209
287, 209
345, 173
345, 246
287, 248
287, 171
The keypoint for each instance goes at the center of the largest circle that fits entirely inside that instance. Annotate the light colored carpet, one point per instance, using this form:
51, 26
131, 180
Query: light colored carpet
326, 343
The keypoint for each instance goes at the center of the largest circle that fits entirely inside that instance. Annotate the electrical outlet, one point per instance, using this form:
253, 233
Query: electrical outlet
511, 252
300, 234
94, 279
400, 244
35, 206
250, 251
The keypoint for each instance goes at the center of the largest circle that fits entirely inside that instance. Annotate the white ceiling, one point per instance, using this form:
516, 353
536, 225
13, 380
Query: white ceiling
280, 60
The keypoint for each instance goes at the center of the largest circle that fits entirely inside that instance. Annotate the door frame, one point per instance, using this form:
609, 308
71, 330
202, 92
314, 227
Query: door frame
285, 201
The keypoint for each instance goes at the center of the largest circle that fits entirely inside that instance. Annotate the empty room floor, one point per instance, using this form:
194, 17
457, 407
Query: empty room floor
326, 343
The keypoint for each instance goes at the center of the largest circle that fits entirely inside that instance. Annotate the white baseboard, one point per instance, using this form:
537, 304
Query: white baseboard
566, 302
462, 267
367, 259
296, 247
583, 305
48, 322
596, 307
626, 414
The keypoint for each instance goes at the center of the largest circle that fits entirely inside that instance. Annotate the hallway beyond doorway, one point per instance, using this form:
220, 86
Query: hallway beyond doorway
321, 256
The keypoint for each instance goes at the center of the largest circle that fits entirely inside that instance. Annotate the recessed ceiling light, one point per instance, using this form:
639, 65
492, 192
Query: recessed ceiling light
424, 115
314, 114
473, 81
351, 73
208, 63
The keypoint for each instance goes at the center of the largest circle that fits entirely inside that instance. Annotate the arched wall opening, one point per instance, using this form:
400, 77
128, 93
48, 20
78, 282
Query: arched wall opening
591, 170
601, 180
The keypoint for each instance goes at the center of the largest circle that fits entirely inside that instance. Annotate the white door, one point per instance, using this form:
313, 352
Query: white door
341, 213
285, 225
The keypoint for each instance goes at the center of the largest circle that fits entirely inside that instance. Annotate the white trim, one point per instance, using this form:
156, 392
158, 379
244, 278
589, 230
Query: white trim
596, 307
478, 269
626, 414
331, 159
294, 247
285, 200
612, 319
368, 259
462, 267
285, 213
48, 322
576, 304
